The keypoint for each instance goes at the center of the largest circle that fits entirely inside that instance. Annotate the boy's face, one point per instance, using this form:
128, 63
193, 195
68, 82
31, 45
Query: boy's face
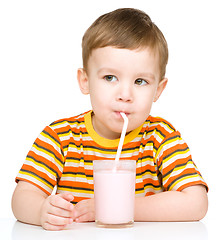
121, 80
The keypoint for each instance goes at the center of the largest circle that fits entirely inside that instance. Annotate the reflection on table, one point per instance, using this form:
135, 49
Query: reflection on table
140, 230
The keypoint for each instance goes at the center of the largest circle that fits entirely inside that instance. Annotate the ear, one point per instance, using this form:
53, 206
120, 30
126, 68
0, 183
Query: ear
83, 81
160, 88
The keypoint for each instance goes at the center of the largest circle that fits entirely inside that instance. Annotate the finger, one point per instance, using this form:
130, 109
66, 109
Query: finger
50, 227
88, 217
60, 202
67, 196
57, 220
60, 212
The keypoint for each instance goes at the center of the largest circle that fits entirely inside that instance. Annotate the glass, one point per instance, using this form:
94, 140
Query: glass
114, 192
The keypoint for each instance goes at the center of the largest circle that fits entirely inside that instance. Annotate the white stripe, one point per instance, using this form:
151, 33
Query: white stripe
144, 163
77, 164
83, 179
78, 194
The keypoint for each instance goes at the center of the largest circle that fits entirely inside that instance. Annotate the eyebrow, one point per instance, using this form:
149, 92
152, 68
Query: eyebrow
107, 70
147, 74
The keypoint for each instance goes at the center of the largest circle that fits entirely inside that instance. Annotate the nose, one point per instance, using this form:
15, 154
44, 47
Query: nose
125, 93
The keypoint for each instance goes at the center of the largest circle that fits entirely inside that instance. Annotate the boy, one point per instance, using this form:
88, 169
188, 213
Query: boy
124, 62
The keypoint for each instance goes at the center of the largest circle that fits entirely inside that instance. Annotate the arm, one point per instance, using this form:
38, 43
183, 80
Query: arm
31, 205
190, 204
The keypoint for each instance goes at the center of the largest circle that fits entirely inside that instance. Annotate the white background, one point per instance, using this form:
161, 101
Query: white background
40, 51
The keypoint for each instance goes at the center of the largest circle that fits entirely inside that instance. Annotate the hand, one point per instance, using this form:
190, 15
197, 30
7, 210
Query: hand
84, 211
57, 211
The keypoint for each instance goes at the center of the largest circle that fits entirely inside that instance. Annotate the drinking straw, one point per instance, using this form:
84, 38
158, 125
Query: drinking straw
122, 138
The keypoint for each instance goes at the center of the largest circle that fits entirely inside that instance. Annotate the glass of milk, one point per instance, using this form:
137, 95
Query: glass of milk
114, 192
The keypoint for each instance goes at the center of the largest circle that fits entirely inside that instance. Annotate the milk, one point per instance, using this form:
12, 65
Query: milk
114, 193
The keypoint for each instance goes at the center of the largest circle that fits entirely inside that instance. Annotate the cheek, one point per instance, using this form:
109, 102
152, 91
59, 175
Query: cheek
144, 111
145, 99
99, 97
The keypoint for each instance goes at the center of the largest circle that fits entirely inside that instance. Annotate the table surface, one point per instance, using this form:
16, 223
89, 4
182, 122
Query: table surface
12, 229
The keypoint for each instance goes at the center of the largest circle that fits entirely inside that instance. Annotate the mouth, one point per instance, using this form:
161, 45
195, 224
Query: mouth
119, 115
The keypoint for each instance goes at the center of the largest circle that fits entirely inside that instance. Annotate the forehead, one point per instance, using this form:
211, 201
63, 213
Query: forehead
138, 60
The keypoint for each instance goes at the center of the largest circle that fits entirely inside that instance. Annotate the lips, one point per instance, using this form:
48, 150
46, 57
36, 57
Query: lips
119, 115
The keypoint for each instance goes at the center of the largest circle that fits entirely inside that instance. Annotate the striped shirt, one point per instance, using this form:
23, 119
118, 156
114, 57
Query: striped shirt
63, 155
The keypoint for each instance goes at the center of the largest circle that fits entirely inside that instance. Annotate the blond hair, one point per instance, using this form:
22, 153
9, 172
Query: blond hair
125, 28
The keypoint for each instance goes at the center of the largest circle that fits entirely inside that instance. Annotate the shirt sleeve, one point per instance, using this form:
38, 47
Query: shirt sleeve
175, 164
43, 165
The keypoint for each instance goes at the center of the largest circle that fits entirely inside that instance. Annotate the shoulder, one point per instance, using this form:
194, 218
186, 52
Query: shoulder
61, 129
68, 123
160, 125
157, 130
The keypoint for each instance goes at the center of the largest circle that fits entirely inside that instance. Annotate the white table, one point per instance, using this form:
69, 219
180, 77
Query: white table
12, 229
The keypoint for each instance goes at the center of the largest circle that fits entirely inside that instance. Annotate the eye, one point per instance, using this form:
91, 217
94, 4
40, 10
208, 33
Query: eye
110, 78
140, 82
